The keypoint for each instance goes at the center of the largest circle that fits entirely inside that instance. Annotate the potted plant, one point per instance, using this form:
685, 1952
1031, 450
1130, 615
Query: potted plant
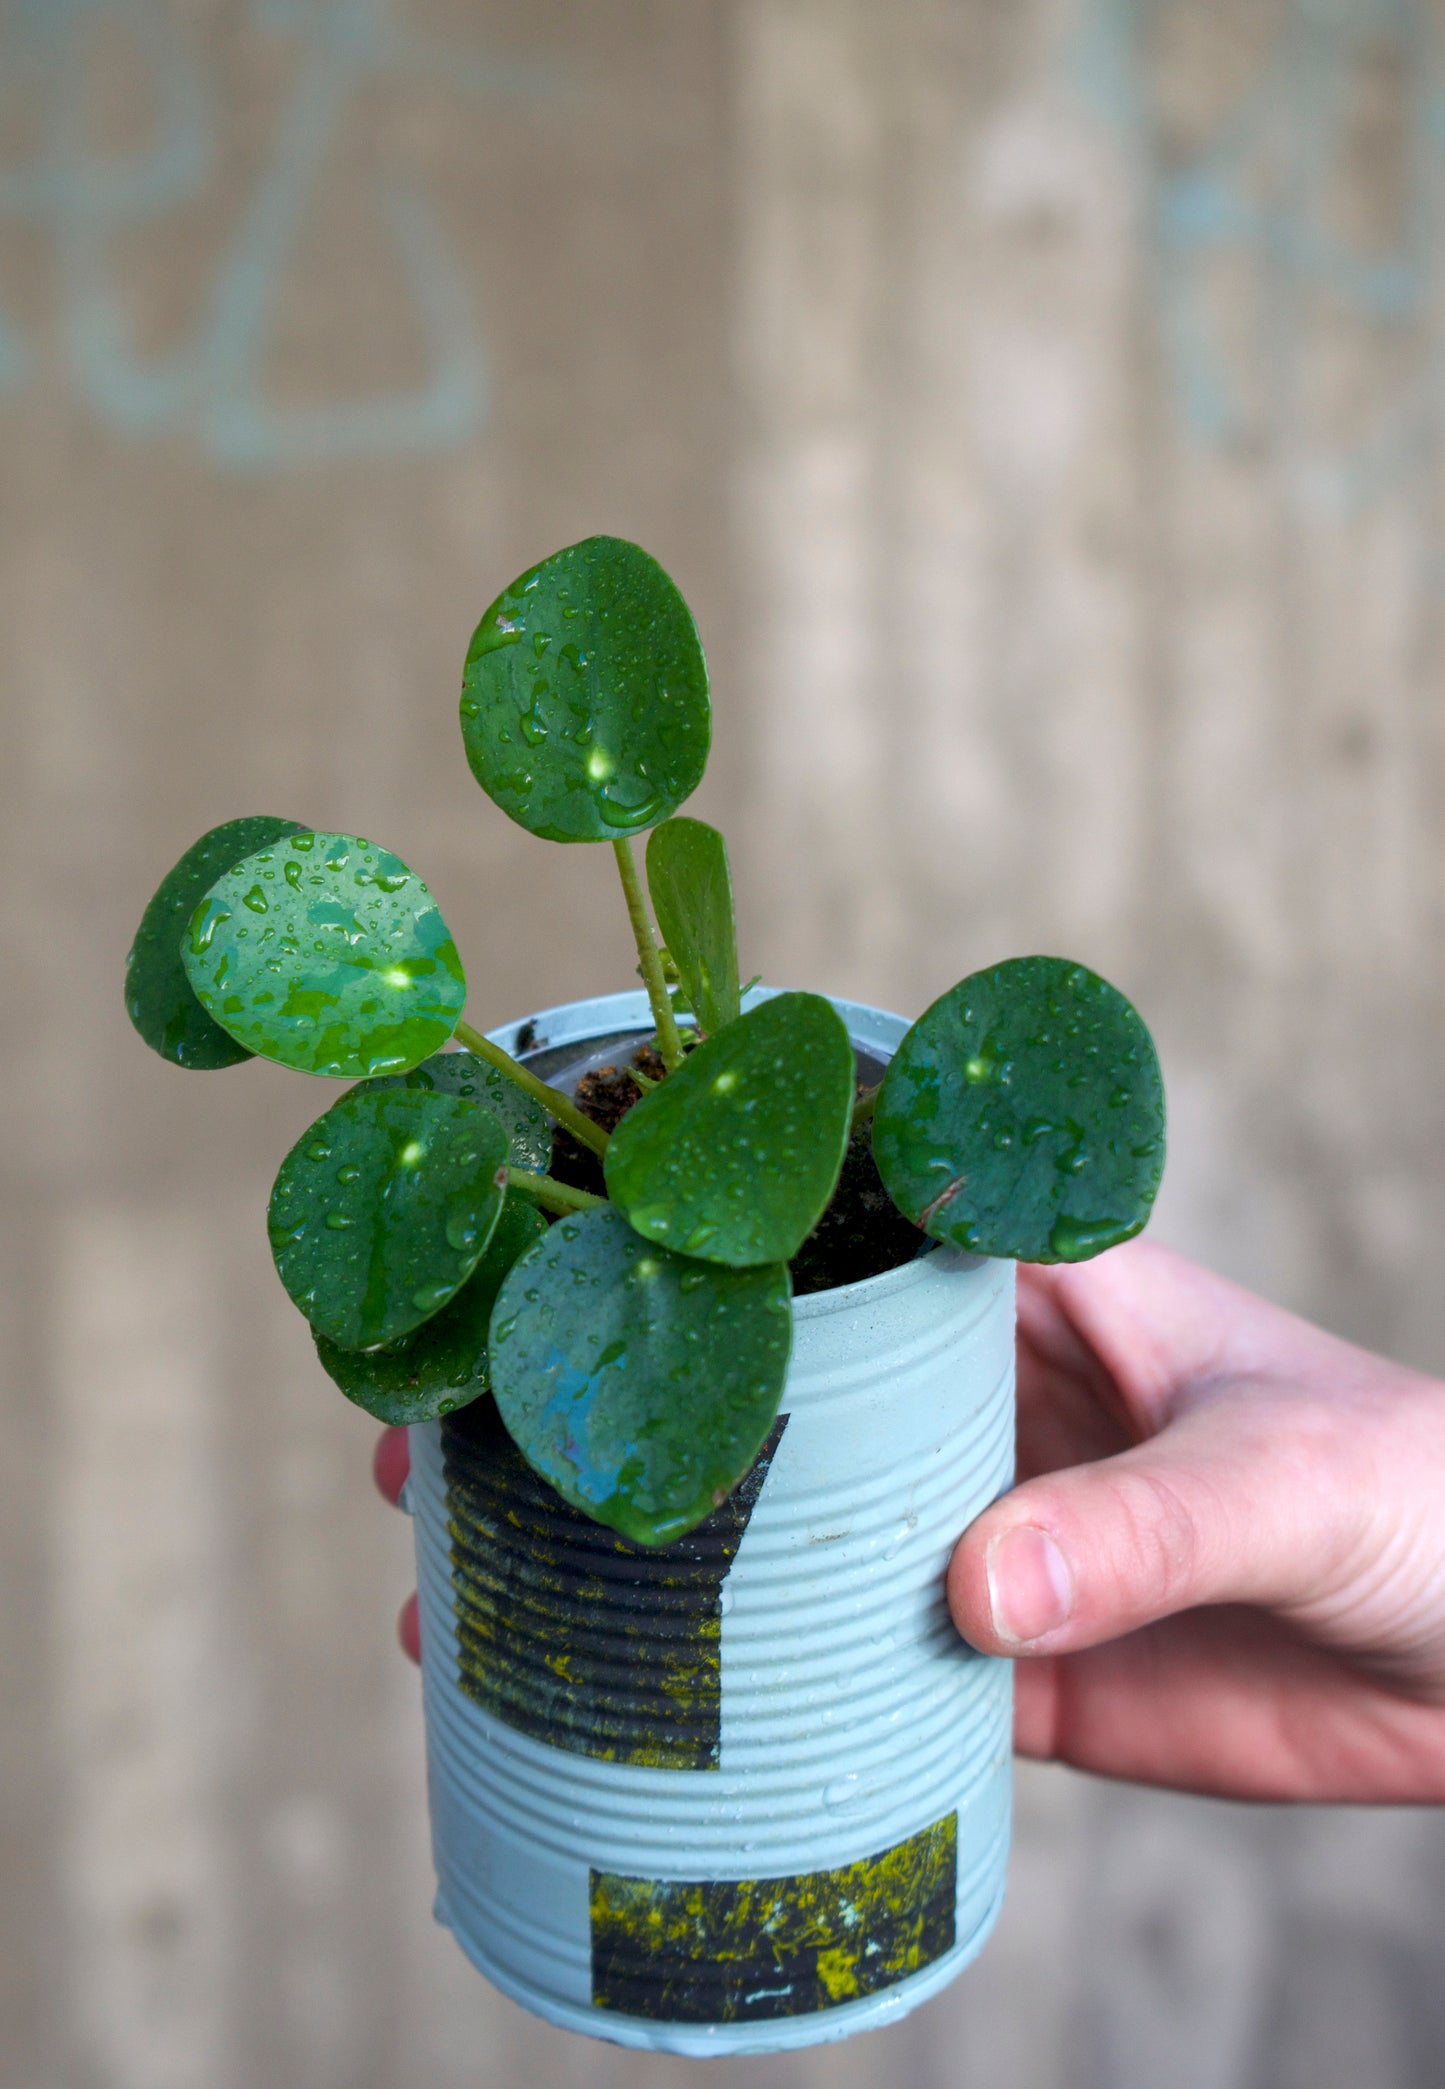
698, 1301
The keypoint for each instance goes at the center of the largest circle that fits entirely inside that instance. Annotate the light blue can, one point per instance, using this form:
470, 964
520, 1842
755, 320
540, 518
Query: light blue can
750, 1792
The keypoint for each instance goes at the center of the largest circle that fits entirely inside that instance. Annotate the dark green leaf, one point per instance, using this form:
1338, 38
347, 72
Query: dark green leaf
383, 1209
158, 995
692, 896
735, 1155
640, 1383
442, 1364
584, 701
526, 1123
1023, 1115
328, 954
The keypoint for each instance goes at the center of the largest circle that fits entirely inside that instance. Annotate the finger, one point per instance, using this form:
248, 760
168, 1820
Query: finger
391, 1463
1102, 1348
1236, 1502
1036, 1710
1061, 1420
1135, 1325
1230, 1702
408, 1629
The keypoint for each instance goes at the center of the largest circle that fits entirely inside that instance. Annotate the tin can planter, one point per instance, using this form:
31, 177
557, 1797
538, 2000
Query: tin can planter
750, 1791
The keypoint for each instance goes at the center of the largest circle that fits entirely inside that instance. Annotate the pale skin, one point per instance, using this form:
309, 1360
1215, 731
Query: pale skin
1223, 1567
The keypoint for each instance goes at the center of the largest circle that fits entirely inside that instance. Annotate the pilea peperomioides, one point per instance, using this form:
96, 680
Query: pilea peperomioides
637, 1345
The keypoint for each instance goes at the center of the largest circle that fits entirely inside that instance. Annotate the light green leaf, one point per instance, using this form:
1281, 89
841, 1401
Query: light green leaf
1023, 1115
692, 897
327, 953
641, 1384
734, 1156
441, 1365
382, 1210
158, 995
584, 700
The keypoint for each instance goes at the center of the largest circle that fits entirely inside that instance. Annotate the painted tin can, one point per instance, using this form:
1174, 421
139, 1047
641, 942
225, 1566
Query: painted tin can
749, 1792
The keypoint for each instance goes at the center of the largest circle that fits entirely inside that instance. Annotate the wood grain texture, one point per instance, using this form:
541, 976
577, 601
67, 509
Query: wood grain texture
1040, 407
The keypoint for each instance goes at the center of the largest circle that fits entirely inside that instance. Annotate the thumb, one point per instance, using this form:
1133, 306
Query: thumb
1213, 1510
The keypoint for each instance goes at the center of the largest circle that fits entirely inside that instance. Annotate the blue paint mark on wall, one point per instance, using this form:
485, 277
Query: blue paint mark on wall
1259, 188
212, 386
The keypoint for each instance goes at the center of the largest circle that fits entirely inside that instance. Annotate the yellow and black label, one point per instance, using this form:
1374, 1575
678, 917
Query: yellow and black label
572, 1633
724, 1951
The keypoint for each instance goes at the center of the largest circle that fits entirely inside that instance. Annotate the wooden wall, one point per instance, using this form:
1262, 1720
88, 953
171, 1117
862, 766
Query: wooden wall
1041, 407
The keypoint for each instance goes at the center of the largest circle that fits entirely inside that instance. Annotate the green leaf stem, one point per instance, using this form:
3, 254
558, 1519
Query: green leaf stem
641, 1384
327, 953
584, 704
734, 1157
692, 897
158, 996
1023, 1115
441, 1365
382, 1210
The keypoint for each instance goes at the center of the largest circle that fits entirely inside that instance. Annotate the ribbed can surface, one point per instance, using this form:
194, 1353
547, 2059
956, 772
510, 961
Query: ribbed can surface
750, 1791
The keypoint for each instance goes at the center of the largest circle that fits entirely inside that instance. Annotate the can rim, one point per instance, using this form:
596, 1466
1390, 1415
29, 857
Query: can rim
877, 1030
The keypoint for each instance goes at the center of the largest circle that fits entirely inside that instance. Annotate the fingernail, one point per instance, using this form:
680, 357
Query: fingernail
1030, 1588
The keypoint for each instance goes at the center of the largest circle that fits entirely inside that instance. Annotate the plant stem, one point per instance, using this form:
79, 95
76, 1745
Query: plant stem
549, 1193
866, 1104
668, 1042
553, 1101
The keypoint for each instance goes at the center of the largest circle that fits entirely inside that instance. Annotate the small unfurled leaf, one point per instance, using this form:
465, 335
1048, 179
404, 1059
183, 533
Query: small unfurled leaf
692, 896
1023, 1115
640, 1383
158, 995
441, 1365
584, 700
327, 953
526, 1123
734, 1156
382, 1210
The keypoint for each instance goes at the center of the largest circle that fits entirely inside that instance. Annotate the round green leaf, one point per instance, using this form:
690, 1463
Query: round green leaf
1023, 1115
383, 1209
692, 896
328, 954
441, 1365
641, 1384
584, 699
526, 1123
158, 995
735, 1155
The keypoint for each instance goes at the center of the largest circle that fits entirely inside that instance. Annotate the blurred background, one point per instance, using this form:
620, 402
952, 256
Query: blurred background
1041, 407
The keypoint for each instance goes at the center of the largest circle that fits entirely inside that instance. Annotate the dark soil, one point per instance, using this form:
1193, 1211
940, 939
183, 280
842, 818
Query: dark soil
605, 1096
861, 1234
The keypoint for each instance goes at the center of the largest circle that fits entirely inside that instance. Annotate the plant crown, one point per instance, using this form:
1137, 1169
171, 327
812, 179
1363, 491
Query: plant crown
637, 1345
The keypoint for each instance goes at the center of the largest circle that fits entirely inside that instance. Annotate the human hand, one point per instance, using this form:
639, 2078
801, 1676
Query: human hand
1248, 1515
1224, 1567
390, 1465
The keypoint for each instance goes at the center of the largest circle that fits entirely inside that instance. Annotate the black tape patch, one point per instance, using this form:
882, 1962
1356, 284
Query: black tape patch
725, 1951
576, 1635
